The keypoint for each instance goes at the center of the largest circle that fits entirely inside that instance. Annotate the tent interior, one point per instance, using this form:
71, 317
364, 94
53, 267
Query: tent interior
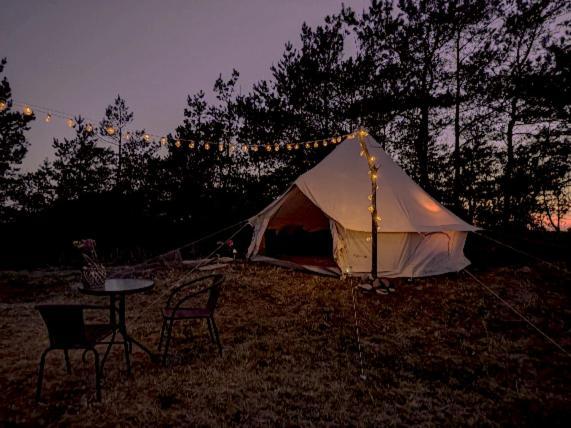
299, 232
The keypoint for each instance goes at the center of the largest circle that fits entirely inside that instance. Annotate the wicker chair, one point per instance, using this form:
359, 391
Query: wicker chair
67, 330
175, 311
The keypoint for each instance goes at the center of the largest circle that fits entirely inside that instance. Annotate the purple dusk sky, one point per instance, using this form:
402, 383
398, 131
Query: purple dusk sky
76, 56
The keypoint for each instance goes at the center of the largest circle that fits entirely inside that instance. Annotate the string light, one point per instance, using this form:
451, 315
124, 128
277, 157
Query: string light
220, 147
176, 143
268, 148
255, 148
296, 146
110, 130
371, 208
316, 144
277, 147
3, 105
232, 148
372, 159
307, 145
48, 118
70, 123
146, 137
324, 143
288, 146
374, 176
245, 148
163, 142
191, 145
27, 110
89, 128
206, 146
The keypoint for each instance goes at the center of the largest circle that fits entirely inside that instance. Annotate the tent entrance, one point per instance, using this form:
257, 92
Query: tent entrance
299, 232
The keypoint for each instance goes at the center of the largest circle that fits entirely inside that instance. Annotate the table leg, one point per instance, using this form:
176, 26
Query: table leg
123, 331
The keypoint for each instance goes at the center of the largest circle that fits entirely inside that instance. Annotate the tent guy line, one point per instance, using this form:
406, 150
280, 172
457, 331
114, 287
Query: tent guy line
518, 313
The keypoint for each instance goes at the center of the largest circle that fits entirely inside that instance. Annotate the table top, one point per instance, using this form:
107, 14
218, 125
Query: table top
120, 286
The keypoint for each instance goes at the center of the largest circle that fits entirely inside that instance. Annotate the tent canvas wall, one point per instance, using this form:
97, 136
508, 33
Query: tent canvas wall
417, 237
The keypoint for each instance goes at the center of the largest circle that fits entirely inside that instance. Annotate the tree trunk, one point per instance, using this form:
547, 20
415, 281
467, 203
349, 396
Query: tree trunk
422, 145
457, 129
508, 170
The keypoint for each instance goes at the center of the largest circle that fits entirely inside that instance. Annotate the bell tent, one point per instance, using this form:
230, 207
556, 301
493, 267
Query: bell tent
322, 223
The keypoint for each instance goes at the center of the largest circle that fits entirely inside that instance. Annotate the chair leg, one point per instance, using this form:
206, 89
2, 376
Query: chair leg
217, 335
67, 363
97, 375
162, 334
41, 374
210, 330
167, 340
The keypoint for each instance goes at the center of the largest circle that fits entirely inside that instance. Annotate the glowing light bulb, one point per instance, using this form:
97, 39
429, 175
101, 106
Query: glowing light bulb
48, 118
245, 148
374, 176
350, 136
220, 147
89, 128
277, 147
191, 145
333, 140
3, 105
370, 197
324, 143
206, 146
110, 130
378, 219
70, 123
316, 144
371, 208
307, 145
232, 148
255, 148
372, 159
176, 143
339, 140
27, 110
163, 142
296, 146
363, 133
368, 239
268, 148
288, 146
146, 137
128, 136
362, 153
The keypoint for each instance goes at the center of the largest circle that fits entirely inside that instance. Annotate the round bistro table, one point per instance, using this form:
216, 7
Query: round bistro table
116, 289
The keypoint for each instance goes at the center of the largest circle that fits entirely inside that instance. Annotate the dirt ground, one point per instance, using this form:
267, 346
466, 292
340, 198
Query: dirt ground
439, 351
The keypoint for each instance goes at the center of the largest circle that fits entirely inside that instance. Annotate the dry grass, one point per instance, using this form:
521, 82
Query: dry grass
439, 351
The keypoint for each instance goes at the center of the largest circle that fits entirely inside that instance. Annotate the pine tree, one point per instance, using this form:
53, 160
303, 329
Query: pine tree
81, 166
13, 144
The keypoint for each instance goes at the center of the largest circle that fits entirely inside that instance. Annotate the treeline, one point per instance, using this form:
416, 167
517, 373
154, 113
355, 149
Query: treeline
472, 98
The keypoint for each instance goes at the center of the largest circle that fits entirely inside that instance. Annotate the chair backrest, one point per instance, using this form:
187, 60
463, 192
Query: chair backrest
214, 291
65, 324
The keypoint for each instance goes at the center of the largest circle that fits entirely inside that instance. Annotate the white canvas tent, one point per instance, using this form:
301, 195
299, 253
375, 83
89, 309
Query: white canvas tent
418, 236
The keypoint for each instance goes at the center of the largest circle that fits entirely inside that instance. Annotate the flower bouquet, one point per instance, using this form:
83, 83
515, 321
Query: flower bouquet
93, 273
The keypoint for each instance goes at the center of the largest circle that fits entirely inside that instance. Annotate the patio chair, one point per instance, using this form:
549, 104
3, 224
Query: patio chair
67, 330
175, 311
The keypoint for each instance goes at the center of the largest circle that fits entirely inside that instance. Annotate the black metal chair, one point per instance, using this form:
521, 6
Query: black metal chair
67, 330
175, 311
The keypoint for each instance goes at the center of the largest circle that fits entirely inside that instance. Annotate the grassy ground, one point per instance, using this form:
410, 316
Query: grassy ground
439, 351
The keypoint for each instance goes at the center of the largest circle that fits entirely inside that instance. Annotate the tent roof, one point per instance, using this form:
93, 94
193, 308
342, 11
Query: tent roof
339, 185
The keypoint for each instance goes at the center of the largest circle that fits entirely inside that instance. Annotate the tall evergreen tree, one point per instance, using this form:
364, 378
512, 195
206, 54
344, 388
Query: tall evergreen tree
81, 166
117, 117
13, 144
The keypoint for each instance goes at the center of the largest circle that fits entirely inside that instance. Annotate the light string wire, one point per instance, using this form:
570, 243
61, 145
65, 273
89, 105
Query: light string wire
178, 141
